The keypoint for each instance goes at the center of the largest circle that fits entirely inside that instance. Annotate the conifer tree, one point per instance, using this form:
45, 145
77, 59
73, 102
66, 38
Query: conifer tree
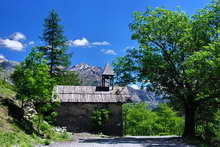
55, 45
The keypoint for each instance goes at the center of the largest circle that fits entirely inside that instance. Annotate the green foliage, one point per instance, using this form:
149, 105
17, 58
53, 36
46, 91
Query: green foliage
32, 80
55, 50
55, 47
99, 117
3, 83
12, 134
6, 89
208, 124
168, 120
48, 131
68, 78
179, 55
17, 138
16, 131
20, 138
34, 84
140, 120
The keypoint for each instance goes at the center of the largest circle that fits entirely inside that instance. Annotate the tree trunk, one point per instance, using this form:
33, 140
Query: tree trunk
189, 129
52, 60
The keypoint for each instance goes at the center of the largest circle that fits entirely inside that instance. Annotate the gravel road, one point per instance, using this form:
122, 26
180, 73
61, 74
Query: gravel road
128, 141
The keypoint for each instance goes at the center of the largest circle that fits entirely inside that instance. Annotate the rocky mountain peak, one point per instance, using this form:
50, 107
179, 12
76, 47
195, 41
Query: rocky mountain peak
86, 67
8, 65
81, 66
89, 75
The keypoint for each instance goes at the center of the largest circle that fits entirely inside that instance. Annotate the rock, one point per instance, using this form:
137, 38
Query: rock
29, 110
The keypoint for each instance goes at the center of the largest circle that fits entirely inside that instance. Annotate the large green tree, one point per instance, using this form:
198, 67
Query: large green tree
179, 55
55, 49
33, 82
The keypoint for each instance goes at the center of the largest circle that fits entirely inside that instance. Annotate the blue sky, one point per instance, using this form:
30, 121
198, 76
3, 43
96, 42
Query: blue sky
97, 29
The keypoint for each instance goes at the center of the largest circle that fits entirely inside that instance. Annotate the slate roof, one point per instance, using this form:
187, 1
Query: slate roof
88, 94
108, 70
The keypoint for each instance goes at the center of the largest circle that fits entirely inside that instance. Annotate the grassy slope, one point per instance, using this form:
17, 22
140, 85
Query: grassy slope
10, 132
6, 92
12, 129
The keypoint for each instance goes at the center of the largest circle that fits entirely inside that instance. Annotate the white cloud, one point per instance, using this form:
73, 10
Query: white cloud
31, 43
108, 51
134, 86
79, 42
86, 43
11, 44
103, 43
18, 36
2, 57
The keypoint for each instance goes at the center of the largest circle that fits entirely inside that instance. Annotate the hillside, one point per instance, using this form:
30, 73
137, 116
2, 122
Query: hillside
8, 67
11, 130
145, 95
16, 129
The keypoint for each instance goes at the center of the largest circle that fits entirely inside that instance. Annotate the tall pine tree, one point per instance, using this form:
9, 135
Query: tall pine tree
55, 45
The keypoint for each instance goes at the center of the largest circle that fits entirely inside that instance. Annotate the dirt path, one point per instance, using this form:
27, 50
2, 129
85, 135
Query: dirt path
128, 141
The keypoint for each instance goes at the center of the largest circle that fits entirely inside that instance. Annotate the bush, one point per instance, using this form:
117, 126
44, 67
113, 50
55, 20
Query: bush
48, 131
208, 128
140, 120
168, 121
99, 117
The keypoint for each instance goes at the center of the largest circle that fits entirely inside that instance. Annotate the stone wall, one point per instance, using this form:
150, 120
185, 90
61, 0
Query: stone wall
77, 117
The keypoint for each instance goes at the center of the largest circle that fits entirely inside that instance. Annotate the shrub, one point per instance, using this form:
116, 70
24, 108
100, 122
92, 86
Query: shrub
99, 117
208, 128
168, 120
48, 131
139, 119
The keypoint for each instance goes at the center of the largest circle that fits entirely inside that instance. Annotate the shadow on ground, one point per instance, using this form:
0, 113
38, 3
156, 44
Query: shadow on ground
143, 141
128, 141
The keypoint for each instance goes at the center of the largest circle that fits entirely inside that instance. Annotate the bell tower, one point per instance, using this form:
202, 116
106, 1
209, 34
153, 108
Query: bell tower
108, 77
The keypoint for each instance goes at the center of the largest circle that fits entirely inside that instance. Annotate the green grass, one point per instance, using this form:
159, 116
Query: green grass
14, 132
19, 138
11, 134
6, 93
6, 90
